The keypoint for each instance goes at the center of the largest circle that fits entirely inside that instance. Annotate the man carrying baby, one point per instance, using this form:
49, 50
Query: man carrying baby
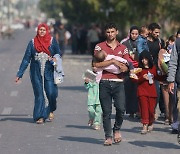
111, 86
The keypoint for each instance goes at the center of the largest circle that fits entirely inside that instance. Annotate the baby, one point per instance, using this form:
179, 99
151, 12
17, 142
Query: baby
103, 56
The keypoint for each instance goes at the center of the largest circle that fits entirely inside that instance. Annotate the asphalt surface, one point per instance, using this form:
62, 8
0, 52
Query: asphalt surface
68, 133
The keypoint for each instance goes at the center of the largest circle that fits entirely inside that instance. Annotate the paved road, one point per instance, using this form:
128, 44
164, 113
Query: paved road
68, 133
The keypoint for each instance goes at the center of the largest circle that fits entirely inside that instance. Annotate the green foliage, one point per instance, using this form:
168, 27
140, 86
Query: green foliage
124, 12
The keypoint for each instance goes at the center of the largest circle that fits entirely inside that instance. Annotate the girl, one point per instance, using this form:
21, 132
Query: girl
146, 90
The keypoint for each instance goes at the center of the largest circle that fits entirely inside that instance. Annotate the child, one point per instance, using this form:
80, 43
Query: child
146, 90
142, 40
113, 68
94, 107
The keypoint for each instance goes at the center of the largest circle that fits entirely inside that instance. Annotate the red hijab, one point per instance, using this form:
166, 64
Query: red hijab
42, 43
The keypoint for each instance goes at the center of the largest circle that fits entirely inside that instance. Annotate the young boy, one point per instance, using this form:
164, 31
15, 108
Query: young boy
142, 40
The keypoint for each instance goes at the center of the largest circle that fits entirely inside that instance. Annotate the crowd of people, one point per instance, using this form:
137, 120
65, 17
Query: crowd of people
134, 75
148, 76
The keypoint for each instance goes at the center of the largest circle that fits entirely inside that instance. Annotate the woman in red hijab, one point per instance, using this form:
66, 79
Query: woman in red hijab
39, 53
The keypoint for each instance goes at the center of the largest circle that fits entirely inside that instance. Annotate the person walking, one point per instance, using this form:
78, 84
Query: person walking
174, 76
163, 60
111, 86
94, 106
146, 90
155, 43
131, 87
93, 38
39, 53
60, 34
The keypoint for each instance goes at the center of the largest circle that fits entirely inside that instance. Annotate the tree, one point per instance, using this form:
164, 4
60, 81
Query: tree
123, 12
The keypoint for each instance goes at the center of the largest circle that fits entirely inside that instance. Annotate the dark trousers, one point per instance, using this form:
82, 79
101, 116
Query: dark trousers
108, 91
160, 100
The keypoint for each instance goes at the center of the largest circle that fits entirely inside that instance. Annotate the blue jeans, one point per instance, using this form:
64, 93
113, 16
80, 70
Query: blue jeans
110, 91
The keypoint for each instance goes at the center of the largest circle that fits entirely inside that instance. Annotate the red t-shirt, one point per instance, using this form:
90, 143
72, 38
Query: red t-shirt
120, 51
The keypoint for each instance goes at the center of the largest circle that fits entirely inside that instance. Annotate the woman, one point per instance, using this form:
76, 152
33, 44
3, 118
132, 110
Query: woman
39, 53
163, 60
130, 87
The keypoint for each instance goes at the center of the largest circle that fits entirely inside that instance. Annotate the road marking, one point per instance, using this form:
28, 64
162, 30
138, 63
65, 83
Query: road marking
14, 93
7, 111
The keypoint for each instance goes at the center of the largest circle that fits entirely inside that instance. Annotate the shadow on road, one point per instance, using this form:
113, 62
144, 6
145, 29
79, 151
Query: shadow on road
14, 118
73, 88
79, 127
138, 130
163, 145
81, 139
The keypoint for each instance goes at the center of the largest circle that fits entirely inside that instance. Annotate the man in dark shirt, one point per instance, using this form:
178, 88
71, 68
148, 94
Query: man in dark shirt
155, 44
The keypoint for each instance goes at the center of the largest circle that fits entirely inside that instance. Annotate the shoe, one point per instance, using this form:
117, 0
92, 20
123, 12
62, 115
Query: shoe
150, 128
51, 116
117, 137
40, 121
144, 130
96, 127
90, 122
108, 142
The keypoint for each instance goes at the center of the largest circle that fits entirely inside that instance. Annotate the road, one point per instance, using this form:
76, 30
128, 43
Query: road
68, 133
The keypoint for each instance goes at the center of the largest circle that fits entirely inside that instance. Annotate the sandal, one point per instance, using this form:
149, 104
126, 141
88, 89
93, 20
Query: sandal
51, 116
90, 122
145, 129
150, 128
40, 121
108, 142
117, 137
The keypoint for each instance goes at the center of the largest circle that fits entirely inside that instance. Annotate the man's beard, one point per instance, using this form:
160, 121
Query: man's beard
111, 39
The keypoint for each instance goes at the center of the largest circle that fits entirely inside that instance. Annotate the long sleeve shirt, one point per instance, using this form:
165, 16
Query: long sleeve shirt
144, 88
